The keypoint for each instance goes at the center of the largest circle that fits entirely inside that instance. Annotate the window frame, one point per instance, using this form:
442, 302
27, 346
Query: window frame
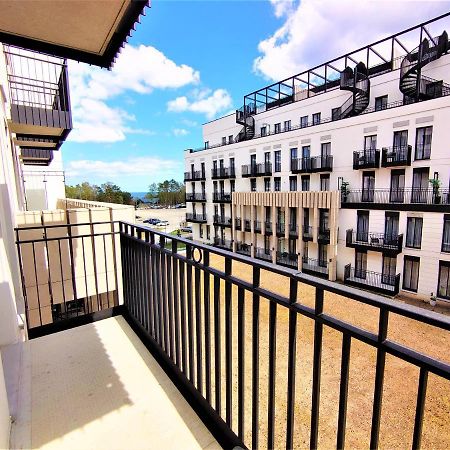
412, 259
277, 184
383, 104
441, 265
415, 219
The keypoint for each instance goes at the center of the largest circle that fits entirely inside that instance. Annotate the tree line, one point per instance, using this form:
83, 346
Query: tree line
167, 193
107, 193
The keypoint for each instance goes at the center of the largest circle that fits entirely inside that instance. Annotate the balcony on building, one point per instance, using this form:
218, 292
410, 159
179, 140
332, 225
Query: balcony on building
195, 196
247, 225
267, 227
280, 229
366, 159
237, 223
39, 97
222, 221
287, 259
396, 156
257, 226
401, 199
223, 173
373, 281
196, 175
315, 267
243, 248
293, 230
307, 234
196, 218
323, 235
36, 156
264, 254
226, 244
377, 242
312, 164
256, 170
221, 197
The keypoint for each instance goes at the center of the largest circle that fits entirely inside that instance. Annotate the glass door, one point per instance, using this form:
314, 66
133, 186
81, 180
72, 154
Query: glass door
397, 191
360, 265
368, 186
389, 267
306, 157
391, 228
362, 226
420, 185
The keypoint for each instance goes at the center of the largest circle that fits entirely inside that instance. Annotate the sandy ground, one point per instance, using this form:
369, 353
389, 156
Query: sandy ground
173, 216
401, 378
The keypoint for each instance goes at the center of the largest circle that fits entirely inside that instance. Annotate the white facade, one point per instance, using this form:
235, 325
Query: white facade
345, 137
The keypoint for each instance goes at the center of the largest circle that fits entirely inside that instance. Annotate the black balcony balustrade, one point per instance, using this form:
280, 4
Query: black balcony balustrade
396, 156
378, 242
226, 244
323, 235
312, 164
195, 196
256, 170
307, 233
36, 156
221, 197
221, 220
366, 159
223, 172
39, 97
405, 199
196, 217
287, 259
314, 266
280, 228
374, 281
247, 225
268, 227
197, 175
243, 248
238, 223
293, 230
257, 226
264, 254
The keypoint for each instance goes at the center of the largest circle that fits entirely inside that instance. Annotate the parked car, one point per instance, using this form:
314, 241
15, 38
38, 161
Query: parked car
186, 229
163, 223
152, 221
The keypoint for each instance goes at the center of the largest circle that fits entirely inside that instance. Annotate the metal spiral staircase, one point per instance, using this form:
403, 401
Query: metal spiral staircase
356, 81
244, 116
413, 84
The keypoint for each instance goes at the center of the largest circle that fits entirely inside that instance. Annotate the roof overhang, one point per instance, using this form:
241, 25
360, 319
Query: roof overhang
89, 31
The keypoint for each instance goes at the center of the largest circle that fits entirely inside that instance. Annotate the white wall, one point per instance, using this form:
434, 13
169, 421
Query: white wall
5, 422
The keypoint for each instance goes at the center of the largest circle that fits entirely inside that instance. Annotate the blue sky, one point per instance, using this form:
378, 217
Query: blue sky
191, 61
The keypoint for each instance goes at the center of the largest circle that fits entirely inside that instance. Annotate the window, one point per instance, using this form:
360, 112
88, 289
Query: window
201, 230
277, 128
232, 185
202, 167
446, 234
287, 125
325, 149
208, 232
388, 271
277, 184
277, 161
206, 144
420, 184
303, 122
381, 102
293, 153
224, 140
362, 226
267, 158
267, 184
397, 191
253, 184
360, 264
391, 220
411, 273
368, 186
323, 256
293, 183
370, 142
203, 188
414, 232
316, 118
267, 245
264, 131
232, 167
305, 182
443, 289
423, 142
215, 187
230, 139
335, 113
400, 141
325, 182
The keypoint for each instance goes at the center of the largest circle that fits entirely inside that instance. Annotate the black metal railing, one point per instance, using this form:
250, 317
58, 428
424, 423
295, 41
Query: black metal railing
264, 254
247, 225
195, 217
237, 223
287, 259
221, 220
223, 243
366, 159
257, 226
314, 266
392, 244
396, 156
323, 235
307, 233
222, 197
256, 170
312, 164
379, 282
280, 228
223, 172
243, 248
196, 175
196, 196
293, 230
267, 227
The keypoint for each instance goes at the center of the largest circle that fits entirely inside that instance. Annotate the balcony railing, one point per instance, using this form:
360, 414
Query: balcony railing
257, 226
237, 223
366, 159
323, 236
221, 220
247, 225
243, 248
377, 282
195, 196
256, 170
261, 253
293, 230
280, 228
221, 197
196, 217
223, 243
314, 266
307, 233
267, 227
287, 259
420, 199
312, 164
379, 242
197, 175
223, 172
396, 156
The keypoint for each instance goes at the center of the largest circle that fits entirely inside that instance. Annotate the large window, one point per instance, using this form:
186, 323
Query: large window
303, 122
324, 182
411, 273
360, 264
316, 118
287, 125
253, 184
446, 234
414, 227
443, 289
293, 183
305, 182
423, 143
389, 269
278, 161
294, 153
381, 102
277, 184
267, 184
264, 131
277, 128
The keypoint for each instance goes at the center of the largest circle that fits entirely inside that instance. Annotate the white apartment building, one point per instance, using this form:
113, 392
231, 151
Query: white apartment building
342, 171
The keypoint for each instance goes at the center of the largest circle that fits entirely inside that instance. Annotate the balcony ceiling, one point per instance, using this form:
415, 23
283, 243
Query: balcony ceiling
88, 31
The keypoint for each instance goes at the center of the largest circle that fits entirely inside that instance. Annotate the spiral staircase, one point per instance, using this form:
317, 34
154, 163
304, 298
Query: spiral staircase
357, 82
244, 116
413, 84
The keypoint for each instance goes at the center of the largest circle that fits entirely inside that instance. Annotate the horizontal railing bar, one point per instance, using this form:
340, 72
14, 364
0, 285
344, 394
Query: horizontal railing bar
35, 227
59, 238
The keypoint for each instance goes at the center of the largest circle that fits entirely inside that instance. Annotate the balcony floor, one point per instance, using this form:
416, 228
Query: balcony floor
97, 387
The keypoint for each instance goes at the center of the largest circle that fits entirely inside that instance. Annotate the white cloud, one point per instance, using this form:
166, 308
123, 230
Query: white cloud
137, 69
315, 31
180, 132
132, 167
209, 104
